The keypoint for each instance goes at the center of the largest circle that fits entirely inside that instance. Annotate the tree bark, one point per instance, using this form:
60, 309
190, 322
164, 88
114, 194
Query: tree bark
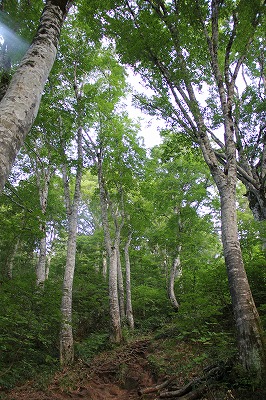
20, 104
129, 308
111, 249
115, 319
120, 282
104, 266
249, 331
43, 176
41, 262
66, 334
175, 270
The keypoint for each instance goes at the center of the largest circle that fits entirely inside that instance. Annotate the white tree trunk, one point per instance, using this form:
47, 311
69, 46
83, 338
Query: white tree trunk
176, 270
111, 249
129, 309
116, 331
41, 262
66, 334
19, 106
43, 177
104, 266
48, 264
121, 295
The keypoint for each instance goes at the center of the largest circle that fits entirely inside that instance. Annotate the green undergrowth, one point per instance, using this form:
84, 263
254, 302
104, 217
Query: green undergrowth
172, 351
30, 323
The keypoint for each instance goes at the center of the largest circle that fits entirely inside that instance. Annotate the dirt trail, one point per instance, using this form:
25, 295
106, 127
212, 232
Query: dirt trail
113, 375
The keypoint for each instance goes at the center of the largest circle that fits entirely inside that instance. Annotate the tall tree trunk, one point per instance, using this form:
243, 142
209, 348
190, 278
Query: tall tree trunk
41, 262
249, 330
115, 319
111, 248
129, 309
248, 326
120, 287
19, 106
66, 334
43, 176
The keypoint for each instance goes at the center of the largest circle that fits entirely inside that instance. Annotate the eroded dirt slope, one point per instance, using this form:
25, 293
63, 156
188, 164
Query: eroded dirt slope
118, 374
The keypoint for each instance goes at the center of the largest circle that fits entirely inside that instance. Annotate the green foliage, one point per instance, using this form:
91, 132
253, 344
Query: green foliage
92, 345
29, 321
151, 307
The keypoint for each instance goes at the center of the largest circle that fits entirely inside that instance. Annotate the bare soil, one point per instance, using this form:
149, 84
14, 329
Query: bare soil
121, 374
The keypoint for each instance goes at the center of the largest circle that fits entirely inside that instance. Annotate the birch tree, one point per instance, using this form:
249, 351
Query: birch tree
74, 80
112, 249
43, 170
66, 334
129, 308
20, 104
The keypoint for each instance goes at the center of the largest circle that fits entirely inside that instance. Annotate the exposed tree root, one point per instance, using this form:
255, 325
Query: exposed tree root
156, 388
195, 388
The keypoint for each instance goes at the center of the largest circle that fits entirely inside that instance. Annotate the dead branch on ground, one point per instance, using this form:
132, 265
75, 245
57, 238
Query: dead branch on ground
193, 389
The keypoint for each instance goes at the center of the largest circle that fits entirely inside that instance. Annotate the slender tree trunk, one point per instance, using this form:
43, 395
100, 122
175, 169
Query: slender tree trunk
129, 309
116, 331
111, 248
19, 106
104, 266
175, 271
120, 287
43, 177
66, 334
41, 262
48, 264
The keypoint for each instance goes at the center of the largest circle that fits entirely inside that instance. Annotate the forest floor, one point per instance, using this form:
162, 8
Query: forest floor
122, 373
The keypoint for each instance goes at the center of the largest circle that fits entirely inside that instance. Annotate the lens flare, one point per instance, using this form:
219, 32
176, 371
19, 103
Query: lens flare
12, 46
